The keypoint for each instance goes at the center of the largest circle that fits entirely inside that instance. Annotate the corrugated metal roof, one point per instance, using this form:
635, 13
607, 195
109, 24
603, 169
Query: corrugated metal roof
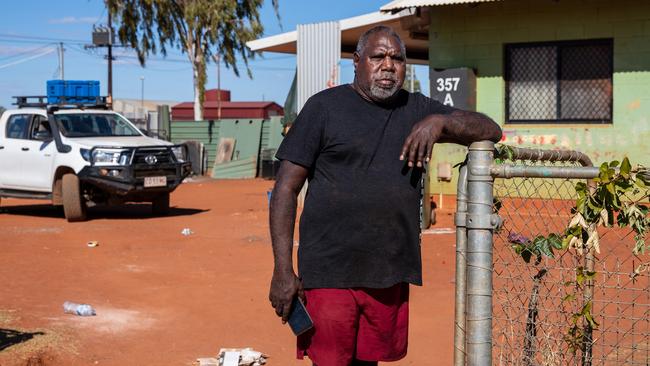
403, 4
229, 105
263, 110
417, 50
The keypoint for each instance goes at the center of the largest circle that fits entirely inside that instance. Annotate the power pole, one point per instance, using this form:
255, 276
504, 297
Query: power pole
61, 67
109, 98
412, 79
103, 36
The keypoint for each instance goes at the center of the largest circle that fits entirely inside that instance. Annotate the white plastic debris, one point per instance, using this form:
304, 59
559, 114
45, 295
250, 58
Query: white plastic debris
247, 356
438, 231
208, 361
187, 231
231, 358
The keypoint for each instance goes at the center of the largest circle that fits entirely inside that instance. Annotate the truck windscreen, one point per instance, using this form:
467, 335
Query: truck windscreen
94, 125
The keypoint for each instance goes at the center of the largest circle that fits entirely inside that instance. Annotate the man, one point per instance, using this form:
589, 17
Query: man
363, 148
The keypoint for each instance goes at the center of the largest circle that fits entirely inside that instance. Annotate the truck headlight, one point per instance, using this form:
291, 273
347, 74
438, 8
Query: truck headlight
179, 153
111, 157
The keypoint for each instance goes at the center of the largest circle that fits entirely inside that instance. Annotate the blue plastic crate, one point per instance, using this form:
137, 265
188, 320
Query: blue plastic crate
72, 91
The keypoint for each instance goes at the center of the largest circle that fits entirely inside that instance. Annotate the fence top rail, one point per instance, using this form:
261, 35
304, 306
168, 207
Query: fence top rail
519, 153
566, 172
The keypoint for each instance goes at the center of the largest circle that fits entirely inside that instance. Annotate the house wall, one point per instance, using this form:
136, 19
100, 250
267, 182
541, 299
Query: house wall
474, 36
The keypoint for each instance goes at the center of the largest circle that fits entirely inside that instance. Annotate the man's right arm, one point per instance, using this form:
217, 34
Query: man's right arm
285, 283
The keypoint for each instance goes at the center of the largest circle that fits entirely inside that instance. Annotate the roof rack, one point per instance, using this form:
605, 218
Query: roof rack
40, 101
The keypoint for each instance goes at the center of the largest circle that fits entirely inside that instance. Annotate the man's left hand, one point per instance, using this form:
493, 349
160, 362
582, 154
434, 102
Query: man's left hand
419, 143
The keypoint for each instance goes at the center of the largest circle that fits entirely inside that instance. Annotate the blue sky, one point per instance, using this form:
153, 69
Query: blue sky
31, 30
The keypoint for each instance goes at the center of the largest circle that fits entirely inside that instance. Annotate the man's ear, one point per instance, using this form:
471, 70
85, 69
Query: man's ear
355, 60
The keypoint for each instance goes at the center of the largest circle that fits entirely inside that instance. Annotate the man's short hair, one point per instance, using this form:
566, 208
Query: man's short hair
363, 40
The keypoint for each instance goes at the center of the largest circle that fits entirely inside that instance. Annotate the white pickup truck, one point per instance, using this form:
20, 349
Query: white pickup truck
85, 156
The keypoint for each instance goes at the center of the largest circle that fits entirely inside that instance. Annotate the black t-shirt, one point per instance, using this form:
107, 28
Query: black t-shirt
360, 223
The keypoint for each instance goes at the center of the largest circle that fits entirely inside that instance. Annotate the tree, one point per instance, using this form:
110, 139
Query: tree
199, 28
2, 110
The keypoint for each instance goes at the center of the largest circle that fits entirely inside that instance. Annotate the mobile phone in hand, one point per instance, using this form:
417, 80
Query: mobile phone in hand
299, 319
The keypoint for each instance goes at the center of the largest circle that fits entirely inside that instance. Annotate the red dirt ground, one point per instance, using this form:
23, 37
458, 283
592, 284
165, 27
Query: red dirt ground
165, 299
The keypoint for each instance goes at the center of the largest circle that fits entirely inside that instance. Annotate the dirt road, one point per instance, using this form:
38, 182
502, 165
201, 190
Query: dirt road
163, 298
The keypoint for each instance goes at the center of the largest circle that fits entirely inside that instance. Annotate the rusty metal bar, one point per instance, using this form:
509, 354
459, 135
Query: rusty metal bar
523, 171
550, 155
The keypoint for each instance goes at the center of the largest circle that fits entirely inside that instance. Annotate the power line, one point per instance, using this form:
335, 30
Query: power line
22, 53
75, 45
19, 38
100, 16
14, 41
159, 59
46, 39
26, 59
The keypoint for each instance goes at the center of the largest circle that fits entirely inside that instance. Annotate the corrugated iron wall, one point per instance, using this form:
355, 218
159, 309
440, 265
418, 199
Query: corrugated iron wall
182, 131
319, 55
250, 140
272, 133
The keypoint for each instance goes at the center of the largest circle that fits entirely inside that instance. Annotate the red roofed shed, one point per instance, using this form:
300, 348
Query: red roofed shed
229, 110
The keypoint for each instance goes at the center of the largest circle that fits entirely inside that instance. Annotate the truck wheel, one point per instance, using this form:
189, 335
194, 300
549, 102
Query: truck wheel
74, 205
160, 205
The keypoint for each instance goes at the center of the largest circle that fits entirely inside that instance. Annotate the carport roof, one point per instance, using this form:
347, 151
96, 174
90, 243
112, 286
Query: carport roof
351, 30
398, 5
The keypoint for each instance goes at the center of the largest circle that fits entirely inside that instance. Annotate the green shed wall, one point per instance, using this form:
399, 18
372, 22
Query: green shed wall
247, 134
250, 144
272, 133
198, 131
474, 36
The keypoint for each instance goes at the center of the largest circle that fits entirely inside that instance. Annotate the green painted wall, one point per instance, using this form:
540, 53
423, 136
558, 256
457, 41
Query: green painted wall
251, 135
198, 131
272, 133
474, 36
247, 134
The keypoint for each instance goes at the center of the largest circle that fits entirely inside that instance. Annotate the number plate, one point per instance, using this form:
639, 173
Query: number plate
155, 182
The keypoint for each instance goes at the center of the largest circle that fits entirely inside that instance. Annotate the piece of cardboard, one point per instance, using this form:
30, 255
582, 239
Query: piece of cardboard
225, 149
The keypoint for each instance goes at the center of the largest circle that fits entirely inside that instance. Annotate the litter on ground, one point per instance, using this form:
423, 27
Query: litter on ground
235, 357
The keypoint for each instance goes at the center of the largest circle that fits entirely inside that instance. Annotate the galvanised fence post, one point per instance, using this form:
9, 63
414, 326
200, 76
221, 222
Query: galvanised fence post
480, 222
461, 268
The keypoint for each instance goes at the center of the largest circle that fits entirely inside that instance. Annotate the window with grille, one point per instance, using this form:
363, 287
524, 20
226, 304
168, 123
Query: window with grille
569, 81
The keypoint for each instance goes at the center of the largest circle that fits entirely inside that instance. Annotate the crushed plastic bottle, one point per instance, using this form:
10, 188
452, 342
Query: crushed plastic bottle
78, 309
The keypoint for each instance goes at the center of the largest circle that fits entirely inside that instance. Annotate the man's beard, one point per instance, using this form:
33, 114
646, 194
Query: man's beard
380, 93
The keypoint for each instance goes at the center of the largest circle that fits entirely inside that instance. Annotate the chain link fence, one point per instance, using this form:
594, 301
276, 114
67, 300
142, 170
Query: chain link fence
531, 312
531, 316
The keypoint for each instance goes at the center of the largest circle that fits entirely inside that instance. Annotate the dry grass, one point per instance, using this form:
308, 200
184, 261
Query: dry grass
39, 346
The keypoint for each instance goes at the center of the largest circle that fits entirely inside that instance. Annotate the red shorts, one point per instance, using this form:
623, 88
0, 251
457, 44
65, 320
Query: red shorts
359, 323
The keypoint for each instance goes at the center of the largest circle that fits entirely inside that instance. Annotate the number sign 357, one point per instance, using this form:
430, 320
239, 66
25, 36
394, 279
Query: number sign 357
447, 84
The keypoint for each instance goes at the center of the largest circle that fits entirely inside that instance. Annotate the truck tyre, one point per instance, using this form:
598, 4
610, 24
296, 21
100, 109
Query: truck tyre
160, 205
74, 205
